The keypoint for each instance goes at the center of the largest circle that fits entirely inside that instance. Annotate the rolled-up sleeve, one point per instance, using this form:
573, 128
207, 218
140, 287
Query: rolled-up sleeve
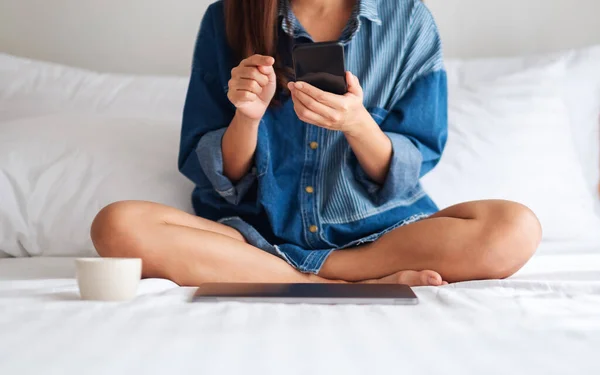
206, 116
210, 155
417, 127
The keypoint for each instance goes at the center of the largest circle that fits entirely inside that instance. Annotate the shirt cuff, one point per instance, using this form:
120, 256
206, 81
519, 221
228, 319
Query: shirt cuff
210, 156
403, 174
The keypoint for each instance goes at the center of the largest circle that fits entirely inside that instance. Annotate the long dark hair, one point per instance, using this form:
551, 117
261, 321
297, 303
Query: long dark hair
252, 28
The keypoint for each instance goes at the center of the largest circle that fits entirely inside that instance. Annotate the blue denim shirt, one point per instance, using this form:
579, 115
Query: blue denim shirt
306, 190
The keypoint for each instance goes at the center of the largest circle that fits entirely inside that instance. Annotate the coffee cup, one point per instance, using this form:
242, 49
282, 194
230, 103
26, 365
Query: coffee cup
108, 279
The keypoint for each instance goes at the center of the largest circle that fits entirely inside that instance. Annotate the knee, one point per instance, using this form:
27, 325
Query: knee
510, 235
113, 230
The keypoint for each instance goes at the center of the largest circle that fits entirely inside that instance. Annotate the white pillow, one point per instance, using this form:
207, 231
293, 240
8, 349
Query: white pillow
582, 96
510, 138
580, 90
36, 88
57, 172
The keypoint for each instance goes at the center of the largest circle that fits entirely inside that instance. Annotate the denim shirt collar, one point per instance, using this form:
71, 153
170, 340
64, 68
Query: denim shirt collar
364, 9
368, 9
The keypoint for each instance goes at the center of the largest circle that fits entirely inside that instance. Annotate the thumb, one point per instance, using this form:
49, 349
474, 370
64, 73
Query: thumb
353, 84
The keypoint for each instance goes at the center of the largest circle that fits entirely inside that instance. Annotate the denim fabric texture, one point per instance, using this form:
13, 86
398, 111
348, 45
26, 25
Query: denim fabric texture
306, 194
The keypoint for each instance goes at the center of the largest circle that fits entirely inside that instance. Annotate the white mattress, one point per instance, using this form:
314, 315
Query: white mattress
545, 320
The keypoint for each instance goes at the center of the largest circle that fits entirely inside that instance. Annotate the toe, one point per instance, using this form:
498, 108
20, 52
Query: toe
419, 278
412, 278
430, 278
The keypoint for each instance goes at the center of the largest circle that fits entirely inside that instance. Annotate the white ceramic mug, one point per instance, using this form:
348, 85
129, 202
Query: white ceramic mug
108, 279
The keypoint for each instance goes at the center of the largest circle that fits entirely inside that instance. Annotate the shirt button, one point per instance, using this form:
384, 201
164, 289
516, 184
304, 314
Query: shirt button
314, 145
313, 229
310, 189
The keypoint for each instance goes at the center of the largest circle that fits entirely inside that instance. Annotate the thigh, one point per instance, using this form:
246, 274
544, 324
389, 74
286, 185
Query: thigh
184, 248
155, 213
463, 224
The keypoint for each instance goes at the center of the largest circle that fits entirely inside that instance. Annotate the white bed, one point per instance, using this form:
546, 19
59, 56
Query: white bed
70, 141
546, 320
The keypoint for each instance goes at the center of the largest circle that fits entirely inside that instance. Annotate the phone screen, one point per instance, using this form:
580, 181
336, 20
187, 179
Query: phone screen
322, 65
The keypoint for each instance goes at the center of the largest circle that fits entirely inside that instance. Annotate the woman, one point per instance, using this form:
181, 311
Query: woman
299, 185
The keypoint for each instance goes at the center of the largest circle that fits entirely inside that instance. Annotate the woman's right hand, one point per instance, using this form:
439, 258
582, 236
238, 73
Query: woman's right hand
252, 86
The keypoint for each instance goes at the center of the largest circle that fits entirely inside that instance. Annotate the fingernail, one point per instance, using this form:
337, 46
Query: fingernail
298, 85
433, 281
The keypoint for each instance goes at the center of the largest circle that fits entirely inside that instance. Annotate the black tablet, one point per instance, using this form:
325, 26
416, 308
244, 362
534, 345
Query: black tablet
355, 294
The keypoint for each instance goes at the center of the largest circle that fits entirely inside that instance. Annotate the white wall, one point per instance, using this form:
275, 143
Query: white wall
157, 36
487, 28
133, 36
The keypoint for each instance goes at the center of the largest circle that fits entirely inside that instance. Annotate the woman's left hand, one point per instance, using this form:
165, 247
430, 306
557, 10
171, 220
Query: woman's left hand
345, 113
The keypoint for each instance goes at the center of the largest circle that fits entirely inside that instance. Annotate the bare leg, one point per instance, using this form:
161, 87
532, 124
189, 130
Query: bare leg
474, 240
184, 248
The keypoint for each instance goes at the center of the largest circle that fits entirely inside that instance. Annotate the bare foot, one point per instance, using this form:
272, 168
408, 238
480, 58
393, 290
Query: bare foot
412, 278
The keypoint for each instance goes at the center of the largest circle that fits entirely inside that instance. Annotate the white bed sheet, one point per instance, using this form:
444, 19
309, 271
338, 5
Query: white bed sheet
545, 320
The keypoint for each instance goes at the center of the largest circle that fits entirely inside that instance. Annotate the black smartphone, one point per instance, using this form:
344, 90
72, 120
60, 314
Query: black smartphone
322, 65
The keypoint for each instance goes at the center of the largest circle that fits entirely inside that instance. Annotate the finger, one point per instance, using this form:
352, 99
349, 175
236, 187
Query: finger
327, 98
313, 105
258, 60
252, 73
269, 71
243, 84
307, 115
353, 84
